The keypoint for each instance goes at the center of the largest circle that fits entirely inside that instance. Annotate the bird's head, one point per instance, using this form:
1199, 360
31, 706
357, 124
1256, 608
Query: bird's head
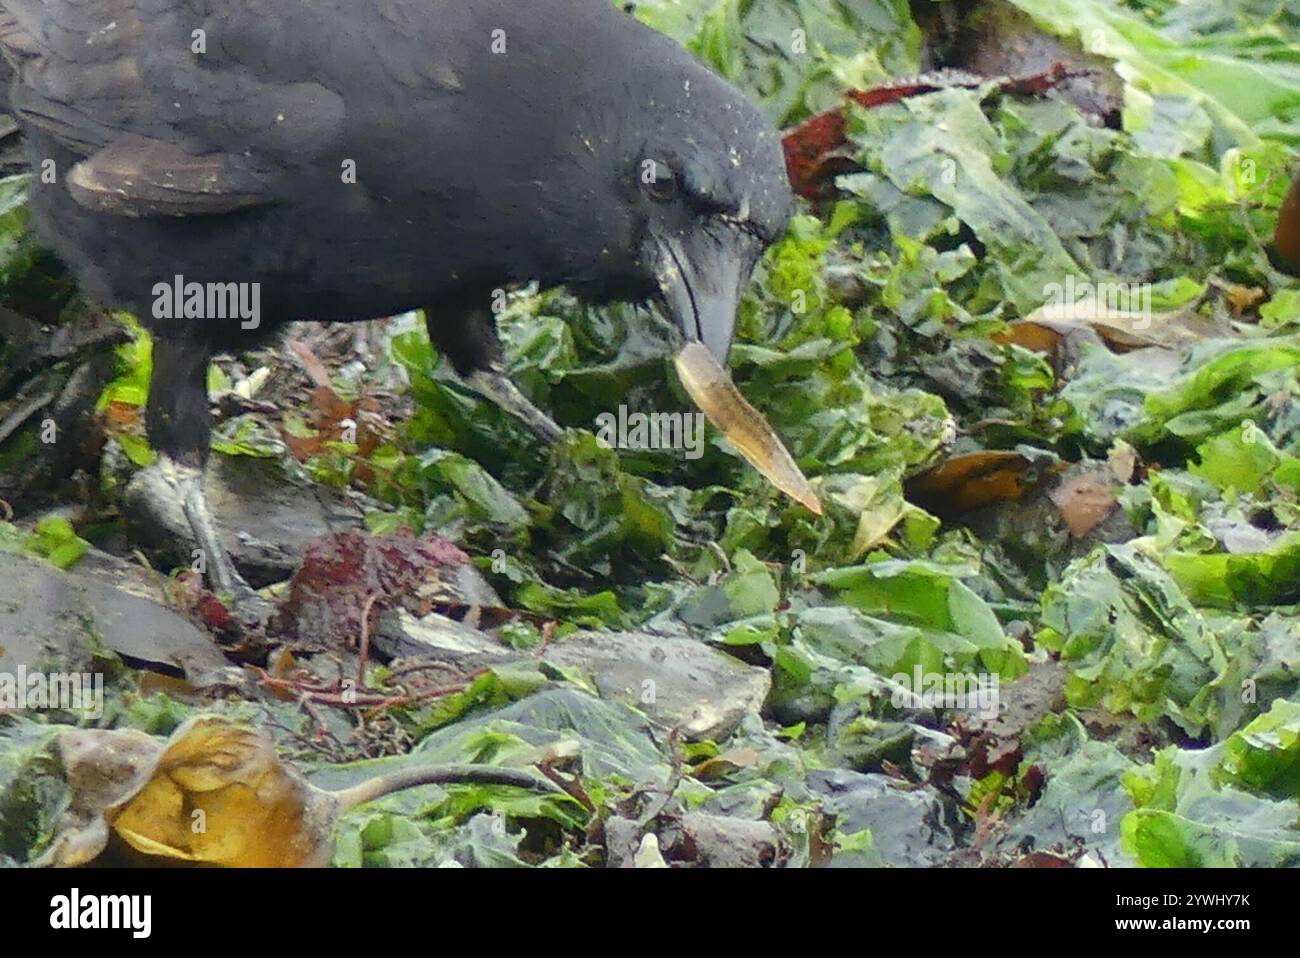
692, 189
713, 194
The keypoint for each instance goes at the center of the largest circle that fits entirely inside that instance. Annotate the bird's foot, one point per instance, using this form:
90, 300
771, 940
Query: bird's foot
494, 384
247, 606
172, 494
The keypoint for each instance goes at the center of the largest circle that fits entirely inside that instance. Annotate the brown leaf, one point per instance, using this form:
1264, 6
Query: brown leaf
972, 481
1050, 328
1241, 299
328, 410
1085, 499
720, 766
1043, 860
302, 448
1034, 336
817, 149
121, 415
311, 362
1286, 239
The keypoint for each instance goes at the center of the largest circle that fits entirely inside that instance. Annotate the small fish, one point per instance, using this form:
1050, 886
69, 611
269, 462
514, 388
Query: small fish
718, 398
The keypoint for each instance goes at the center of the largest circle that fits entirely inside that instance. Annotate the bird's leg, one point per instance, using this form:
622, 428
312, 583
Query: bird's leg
465, 331
221, 571
494, 384
173, 494
180, 427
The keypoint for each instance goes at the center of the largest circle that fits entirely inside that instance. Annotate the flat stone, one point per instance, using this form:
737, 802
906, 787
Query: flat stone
622, 836
715, 841
677, 682
50, 617
400, 634
265, 518
907, 824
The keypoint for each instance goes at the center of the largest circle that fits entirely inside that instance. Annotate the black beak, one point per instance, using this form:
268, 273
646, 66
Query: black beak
701, 277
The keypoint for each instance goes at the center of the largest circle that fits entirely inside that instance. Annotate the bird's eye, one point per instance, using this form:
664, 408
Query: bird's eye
658, 180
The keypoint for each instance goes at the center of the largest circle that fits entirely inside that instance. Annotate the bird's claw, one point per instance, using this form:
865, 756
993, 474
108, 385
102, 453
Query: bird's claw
248, 606
173, 494
495, 385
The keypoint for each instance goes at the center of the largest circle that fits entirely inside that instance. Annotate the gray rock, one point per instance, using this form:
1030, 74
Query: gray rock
458, 649
677, 682
49, 618
712, 841
266, 519
622, 838
908, 824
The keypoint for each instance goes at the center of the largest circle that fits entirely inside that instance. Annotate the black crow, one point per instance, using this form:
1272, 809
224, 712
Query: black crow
224, 167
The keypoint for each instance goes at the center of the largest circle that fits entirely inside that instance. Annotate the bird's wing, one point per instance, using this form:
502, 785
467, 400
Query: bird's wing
165, 129
139, 176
